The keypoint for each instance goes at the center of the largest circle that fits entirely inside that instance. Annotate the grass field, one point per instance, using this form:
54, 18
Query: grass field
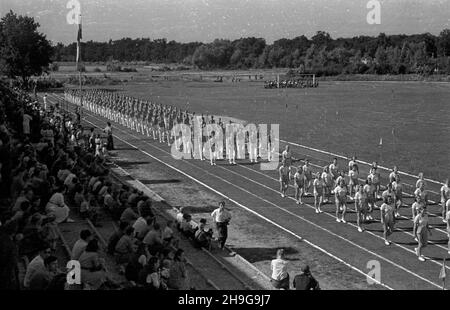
347, 118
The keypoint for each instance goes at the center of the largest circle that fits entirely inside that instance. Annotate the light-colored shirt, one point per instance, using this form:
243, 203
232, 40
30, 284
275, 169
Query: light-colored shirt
279, 269
35, 266
447, 217
167, 233
78, 248
220, 216
388, 212
152, 237
124, 245
140, 227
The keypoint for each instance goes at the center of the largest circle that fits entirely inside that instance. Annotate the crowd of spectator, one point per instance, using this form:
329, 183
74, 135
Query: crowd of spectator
52, 168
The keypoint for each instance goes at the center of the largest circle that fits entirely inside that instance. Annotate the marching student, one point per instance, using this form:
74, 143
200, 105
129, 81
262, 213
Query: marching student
286, 157
334, 169
318, 189
353, 180
416, 206
369, 189
341, 177
387, 219
360, 206
307, 170
212, 150
327, 179
299, 184
420, 193
420, 181
284, 178
421, 231
253, 147
445, 195
397, 187
389, 192
340, 193
352, 162
447, 219
161, 128
230, 145
394, 176
376, 180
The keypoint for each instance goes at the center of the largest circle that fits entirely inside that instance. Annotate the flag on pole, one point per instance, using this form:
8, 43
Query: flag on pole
79, 37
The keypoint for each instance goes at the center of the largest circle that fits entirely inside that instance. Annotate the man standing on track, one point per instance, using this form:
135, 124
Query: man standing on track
334, 169
387, 218
360, 206
394, 176
286, 157
284, 178
421, 231
222, 219
300, 184
397, 187
309, 177
340, 193
318, 188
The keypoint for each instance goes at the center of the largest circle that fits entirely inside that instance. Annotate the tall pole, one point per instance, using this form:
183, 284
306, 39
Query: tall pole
79, 37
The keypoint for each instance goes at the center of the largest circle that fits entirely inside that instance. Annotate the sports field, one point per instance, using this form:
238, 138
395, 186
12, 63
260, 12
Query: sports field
330, 118
346, 118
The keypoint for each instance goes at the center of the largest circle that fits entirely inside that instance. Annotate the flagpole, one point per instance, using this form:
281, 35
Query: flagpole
79, 68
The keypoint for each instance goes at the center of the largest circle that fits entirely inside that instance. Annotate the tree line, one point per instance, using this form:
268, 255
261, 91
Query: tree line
321, 54
25, 52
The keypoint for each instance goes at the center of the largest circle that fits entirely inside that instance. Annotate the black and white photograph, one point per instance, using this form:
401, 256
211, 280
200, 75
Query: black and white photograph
251, 147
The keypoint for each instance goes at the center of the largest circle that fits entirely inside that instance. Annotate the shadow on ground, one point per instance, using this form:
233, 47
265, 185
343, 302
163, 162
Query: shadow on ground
149, 182
125, 164
254, 255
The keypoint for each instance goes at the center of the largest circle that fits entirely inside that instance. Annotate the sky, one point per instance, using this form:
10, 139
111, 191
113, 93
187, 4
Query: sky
206, 20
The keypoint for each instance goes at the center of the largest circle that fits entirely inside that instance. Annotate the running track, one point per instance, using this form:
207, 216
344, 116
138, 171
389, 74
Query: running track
257, 191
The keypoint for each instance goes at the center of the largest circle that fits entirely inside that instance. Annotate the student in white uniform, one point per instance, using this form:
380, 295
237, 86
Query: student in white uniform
445, 195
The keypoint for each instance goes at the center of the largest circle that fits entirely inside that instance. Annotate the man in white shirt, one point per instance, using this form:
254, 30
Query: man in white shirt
222, 219
37, 264
280, 276
80, 244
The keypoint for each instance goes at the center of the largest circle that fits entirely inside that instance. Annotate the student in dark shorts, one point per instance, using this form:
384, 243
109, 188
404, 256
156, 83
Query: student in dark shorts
305, 281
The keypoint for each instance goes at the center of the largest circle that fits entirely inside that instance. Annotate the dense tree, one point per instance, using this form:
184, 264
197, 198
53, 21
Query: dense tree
323, 55
23, 50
